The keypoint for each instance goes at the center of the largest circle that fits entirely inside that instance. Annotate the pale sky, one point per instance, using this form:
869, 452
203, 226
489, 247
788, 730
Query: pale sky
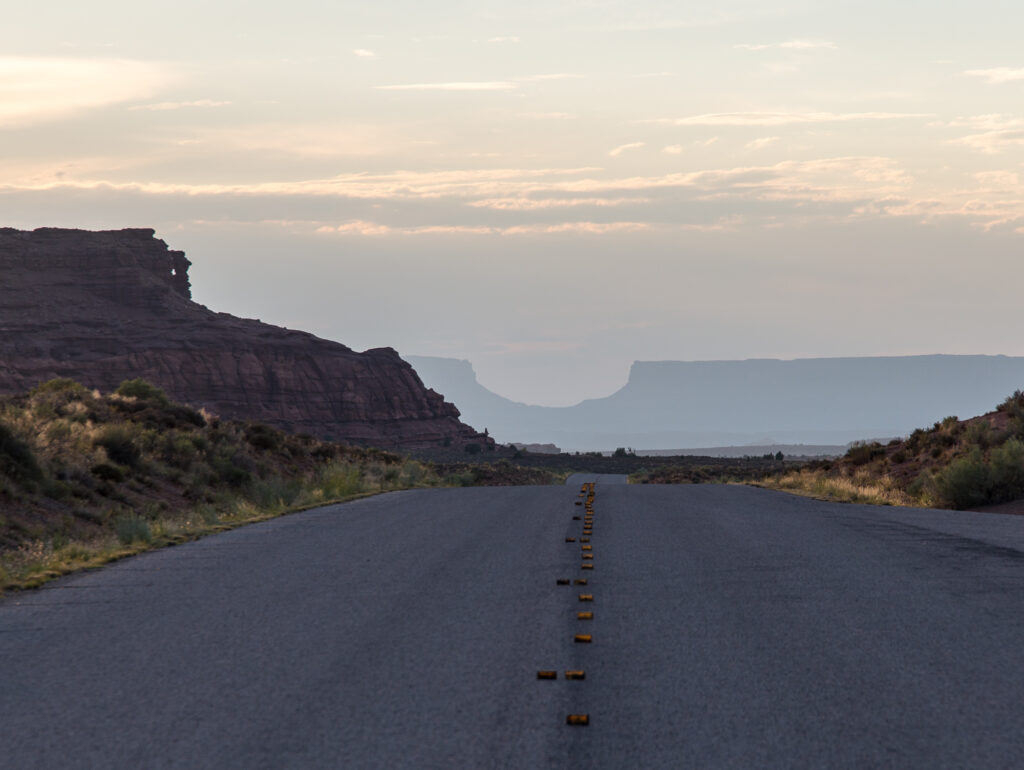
548, 189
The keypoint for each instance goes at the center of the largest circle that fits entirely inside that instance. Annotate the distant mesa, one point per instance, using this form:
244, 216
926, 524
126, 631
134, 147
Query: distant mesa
682, 405
104, 307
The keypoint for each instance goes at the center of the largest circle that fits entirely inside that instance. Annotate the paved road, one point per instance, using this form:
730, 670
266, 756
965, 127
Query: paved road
733, 627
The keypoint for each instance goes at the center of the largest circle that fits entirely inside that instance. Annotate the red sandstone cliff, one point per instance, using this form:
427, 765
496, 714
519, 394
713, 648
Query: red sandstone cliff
102, 307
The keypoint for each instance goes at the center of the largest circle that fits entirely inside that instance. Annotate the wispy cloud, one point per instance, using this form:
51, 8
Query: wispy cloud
164, 106
997, 75
485, 85
361, 227
673, 149
657, 25
514, 201
504, 39
781, 118
992, 142
793, 45
539, 204
549, 76
363, 52
623, 147
546, 115
33, 90
761, 142
997, 132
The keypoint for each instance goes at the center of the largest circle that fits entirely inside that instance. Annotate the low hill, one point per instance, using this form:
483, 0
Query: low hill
85, 476
691, 404
963, 464
104, 307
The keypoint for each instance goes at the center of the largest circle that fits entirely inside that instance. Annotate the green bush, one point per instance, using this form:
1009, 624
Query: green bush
861, 454
130, 529
16, 458
972, 481
264, 437
142, 390
60, 385
107, 472
117, 440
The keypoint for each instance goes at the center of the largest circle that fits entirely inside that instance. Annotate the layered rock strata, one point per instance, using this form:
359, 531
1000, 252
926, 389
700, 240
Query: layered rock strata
103, 307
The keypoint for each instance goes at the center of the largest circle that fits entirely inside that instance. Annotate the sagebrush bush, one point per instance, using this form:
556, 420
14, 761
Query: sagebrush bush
861, 454
17, 460
119, 444
140, 389
131, 528
973, 480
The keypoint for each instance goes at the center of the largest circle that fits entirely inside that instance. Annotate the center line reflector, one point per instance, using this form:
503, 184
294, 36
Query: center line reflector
586, 597
547, 675
578, 720
575, 675
583, 638
584, 616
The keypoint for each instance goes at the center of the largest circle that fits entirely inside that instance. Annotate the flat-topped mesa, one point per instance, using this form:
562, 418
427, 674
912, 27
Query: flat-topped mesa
102, 307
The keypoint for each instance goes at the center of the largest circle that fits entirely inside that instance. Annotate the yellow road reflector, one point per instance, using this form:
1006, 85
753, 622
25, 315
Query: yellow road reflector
547, 675
584, 539
586, 547
570, 540
578, 720
583, 638
575, 518
575, 674
580, 581
587, 555
562, 581
584, 616
578, 503
587, 565
586, 597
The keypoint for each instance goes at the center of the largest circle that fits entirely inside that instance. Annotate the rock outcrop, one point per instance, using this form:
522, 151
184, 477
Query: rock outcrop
102, 307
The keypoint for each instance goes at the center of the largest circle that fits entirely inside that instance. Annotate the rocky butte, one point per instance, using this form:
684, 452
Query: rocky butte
103, 307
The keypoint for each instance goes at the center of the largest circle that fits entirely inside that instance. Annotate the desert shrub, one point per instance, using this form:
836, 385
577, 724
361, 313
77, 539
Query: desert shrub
130, 528
263, 437
971, 481
177, 451
142, 390
59, 385
339, 480
1007, 472
118, 442
231, 470
461, 479
979, 434
916, 440
16, 458
861, 454
1013, 403
275, 492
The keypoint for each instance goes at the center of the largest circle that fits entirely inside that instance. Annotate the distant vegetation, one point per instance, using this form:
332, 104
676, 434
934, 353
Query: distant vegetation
86, 478
954, 464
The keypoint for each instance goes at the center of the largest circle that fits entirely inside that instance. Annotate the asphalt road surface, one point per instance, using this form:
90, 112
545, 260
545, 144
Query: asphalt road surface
732, 627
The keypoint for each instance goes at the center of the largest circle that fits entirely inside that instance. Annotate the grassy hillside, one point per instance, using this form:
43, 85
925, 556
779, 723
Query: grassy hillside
86, 478
960, 464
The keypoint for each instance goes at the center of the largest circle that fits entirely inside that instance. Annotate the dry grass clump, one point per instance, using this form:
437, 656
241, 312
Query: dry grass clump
861, 487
